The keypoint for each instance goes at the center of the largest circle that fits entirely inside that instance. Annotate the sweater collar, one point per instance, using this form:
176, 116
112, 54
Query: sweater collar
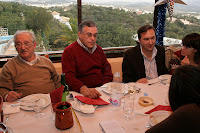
84, 47
30, 62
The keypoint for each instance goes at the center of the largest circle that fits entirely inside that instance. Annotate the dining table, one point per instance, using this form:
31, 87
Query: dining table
25, 122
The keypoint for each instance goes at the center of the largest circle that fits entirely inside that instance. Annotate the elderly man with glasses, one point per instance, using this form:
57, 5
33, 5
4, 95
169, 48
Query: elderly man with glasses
84, 63
27, 73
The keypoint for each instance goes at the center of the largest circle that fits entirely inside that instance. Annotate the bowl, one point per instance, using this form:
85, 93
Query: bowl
145, 101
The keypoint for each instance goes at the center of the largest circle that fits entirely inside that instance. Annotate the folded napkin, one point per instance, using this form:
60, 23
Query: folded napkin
111, 126
97, 101
8, 109
85, 108
56, 95
159, 107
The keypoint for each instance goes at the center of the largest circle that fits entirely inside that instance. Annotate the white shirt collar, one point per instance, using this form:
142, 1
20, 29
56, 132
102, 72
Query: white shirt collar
153, 54
30, 62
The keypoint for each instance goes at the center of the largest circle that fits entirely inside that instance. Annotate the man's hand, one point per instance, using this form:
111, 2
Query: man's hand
143, 80
90, 92
13, 96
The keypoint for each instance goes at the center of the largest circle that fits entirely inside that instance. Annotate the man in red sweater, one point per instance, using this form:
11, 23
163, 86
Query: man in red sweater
84, 62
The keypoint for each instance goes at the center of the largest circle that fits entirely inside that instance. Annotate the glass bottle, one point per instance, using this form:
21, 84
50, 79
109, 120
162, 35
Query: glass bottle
65, 95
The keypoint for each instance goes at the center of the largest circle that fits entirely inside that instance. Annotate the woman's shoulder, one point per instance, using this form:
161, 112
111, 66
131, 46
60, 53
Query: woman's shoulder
191, 111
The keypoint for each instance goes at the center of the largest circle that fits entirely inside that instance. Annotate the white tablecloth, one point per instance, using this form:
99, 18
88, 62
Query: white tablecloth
25, 122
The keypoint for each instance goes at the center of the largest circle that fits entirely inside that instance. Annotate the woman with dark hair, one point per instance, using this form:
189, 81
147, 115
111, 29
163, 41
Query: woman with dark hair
191, 49
184, 98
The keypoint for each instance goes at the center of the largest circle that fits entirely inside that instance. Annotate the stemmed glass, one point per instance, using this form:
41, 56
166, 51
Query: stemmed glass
38, 107
131, 88
128, 107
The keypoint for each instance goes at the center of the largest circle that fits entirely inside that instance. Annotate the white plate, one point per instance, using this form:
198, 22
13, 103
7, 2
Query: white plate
165, 78
84, 108
108, 86
158, 116
44, 97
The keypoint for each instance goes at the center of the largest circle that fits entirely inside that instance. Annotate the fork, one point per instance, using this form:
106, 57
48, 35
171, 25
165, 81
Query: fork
13, 105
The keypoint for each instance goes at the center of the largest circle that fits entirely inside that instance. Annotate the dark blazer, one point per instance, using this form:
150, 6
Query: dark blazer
133, 64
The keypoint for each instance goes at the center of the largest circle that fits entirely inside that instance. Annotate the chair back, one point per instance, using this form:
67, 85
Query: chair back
1, 106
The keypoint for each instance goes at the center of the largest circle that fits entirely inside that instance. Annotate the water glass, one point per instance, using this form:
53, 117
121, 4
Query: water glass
38, 107
128, 107
132, 88
116, 95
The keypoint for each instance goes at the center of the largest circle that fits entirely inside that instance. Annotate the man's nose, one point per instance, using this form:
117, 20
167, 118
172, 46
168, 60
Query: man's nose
22, 46
150, 41
92, 37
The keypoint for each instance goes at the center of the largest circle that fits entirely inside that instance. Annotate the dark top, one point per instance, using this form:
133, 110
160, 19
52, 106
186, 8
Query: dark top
183, 120
133, 64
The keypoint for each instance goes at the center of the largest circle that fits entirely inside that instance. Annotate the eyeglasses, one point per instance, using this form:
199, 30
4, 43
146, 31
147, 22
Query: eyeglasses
90, 34
26, 44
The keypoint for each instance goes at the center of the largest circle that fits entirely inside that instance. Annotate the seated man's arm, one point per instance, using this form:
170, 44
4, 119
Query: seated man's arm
6, 86
89, 92
143, 80
69, 68
55, 77
127, 69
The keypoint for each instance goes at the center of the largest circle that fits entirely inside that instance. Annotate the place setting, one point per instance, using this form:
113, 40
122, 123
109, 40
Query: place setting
163, 79
3, 127
87, 105
34, 102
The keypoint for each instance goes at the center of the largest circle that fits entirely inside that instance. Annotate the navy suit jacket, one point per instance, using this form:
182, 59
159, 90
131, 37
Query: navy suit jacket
133, 64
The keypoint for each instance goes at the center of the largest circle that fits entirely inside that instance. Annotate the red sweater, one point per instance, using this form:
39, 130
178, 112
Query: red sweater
83, 68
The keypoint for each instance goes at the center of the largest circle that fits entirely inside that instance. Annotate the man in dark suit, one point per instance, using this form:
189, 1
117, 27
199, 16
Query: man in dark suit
146, 60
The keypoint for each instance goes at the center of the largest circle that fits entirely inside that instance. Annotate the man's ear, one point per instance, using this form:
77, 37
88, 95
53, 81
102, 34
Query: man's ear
35, 44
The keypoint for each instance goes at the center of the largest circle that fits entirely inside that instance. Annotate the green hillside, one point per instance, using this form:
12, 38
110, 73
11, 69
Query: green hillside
115, 27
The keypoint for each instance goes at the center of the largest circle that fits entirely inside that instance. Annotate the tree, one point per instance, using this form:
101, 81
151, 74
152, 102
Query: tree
69, 34
38, 20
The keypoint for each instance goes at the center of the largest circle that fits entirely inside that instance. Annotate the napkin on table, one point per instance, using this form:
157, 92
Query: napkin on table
111, 126
97, 101
56, 95
8, 109
159, 107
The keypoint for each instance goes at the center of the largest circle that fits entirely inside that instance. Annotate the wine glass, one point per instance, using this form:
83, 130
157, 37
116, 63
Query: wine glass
38, 107
132, 88
128, 107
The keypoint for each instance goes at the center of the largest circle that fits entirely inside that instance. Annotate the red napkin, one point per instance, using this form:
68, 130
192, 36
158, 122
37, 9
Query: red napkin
97, 101
159, 107
56, 95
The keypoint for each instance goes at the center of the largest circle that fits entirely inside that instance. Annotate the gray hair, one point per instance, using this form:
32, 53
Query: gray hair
24, 31
87, 23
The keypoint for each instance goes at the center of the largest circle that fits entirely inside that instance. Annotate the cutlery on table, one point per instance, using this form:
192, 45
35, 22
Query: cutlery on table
20, 101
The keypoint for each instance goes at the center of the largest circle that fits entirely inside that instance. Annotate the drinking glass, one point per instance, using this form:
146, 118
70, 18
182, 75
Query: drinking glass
132, 88
38, 107
128, 107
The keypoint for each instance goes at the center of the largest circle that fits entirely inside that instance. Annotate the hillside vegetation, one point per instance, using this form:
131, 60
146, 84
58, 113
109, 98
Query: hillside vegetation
115, 27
